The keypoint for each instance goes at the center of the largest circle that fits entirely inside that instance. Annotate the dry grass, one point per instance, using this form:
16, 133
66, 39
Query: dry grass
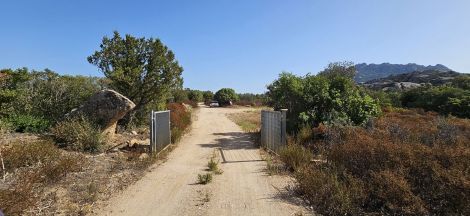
295, 156
249, 121
30, 168
79, 134
45, 180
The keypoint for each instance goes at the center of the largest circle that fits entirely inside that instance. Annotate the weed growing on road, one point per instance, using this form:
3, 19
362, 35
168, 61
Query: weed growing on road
213, 164
207, 197
204, 178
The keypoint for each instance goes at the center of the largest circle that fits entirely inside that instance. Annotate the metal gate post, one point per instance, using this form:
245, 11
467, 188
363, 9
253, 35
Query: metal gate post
283, 126
152, 132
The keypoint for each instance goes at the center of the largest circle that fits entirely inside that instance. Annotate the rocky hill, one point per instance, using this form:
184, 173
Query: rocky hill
412, 80
366, 72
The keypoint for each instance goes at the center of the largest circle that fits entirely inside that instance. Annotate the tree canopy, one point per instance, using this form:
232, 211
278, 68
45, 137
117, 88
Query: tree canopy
225, 95
144, 70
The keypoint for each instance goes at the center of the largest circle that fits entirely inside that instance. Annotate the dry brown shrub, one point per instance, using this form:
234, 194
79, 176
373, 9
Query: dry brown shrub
79, 134
405, 162
295, 156
331, 192
32, 166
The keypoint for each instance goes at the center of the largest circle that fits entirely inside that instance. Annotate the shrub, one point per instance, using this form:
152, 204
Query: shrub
295, 156
442, 99
78, 134
213, 165
248, 99
28, 154
204, 178
51, 95
330, 97
405, 162
5, 126
195, 95
329, 192
208, 96
33, 165
225, 95
28, 123
180, 120
10, 80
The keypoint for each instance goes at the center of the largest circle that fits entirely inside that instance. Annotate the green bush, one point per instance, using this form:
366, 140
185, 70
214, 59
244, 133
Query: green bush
442, 99
10, 80
78, 134
28, 123
5, 126
204, 178
43, 94
330, 97
179, 95
225, 95
52, 96
195, 95
208, 96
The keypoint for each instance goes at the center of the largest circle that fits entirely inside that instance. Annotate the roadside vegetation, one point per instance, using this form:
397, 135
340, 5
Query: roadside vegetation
355, 151
249, 120
52, 163
252, 100
226, 96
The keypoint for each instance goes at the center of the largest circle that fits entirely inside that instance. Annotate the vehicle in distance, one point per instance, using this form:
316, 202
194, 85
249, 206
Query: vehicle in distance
214, 104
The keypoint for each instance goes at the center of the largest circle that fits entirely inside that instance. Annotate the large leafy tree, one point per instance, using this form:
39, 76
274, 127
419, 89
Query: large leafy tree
144, 70
225, 95
195, 95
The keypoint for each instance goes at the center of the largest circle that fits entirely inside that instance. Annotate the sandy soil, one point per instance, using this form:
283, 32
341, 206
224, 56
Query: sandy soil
242, 189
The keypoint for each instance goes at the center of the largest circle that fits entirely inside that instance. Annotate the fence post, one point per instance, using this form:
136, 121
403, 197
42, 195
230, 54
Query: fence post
169, 124
151, 132
283, 126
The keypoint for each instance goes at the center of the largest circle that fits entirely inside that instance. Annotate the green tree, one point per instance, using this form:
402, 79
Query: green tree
195, 95
208, 96
144, 70
344, 69
179, 95
225, 95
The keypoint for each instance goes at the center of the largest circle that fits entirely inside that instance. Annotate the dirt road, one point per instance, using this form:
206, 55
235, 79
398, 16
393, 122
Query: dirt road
242, 189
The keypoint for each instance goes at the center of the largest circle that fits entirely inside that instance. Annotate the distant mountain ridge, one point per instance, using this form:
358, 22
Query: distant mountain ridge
366, 72
413, 80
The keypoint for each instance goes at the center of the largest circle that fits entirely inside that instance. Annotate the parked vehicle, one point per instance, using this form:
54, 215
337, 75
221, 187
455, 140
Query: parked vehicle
214, 104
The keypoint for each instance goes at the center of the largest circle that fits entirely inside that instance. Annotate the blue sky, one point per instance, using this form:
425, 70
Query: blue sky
243, 44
